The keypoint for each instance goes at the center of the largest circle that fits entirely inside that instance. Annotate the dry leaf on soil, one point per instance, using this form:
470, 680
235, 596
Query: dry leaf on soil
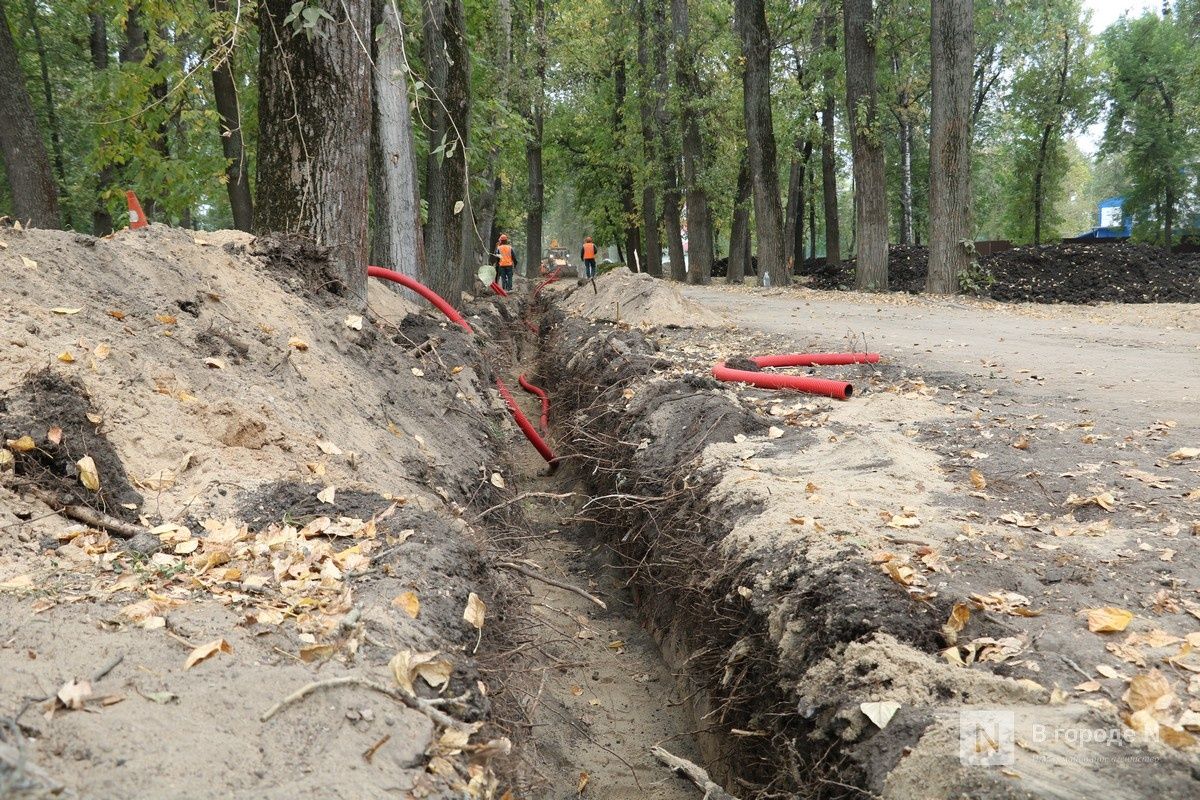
74, 694
1108, 619
408, 603
206, 651
881, 712
88, 475
475, 611
407, 666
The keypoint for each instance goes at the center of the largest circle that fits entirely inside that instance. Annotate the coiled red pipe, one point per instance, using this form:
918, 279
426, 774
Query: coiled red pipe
526, 427
544, 422
839, 390
498, 289
424, 291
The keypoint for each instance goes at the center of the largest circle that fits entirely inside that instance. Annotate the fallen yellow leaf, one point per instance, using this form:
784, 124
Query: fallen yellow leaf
1108, 619
88, 475
408, 603
66, 311
206, 651
22, 445
475, 611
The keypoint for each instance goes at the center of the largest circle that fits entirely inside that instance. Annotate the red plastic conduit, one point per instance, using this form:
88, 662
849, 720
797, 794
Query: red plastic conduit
549, 279
498, 289
544, 422
424, 291
839, 390
526, 427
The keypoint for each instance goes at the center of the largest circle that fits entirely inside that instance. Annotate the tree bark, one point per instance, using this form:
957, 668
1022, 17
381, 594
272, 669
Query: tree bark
652, 258
237, 174
629, 216
315, 133
479, 238
102, 222
739, 230
870, 179
533, 149
60, 169
829, 195
801, 201
700, 229
795, 175
1039, 174
903, 114
750, 20
952, 41
668, 149
34, 193
396, 240
443, 43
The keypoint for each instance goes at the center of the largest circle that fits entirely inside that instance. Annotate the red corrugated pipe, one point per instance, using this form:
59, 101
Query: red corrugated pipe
839, 390
526, 427
498, 289
544, 422
424, 291
549, 279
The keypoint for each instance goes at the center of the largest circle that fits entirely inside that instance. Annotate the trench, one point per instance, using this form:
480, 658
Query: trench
598, 693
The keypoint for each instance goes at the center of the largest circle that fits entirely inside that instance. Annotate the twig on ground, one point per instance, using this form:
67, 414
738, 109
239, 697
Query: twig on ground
693, 772
519, 498
537, 576
415, 703
17, 761
88, 516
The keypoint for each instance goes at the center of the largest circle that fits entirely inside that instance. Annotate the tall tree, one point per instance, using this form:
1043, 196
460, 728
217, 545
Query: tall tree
652, 258
1152, 124
870, 179
952, 46
739, 231
315, 129
624, 169
750, 21
444, 51
34, 193
396, 240
479, 237
668, 148
102, 221
533, 148
56, 139
829, 194
237, 170
700, 232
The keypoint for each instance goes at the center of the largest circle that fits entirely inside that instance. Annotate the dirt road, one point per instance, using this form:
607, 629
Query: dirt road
1130, 365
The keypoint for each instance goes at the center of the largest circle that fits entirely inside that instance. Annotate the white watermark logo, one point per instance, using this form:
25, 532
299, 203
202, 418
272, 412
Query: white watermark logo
987, 737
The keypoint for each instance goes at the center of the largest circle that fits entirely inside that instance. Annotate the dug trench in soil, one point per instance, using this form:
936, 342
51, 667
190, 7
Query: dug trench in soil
582, 688
817, 657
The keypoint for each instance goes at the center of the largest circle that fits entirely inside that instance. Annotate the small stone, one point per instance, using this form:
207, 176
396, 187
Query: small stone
31, 327
144, 544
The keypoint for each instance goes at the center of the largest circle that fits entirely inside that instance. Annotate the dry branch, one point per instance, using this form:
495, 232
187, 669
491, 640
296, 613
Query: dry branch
88, 516
415, 703
694, 773
537, 576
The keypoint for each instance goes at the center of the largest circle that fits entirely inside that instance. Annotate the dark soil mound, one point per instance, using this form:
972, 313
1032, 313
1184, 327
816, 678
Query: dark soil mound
1074, 272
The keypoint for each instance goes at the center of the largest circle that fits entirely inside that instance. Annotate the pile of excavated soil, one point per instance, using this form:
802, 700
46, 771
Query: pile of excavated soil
1118, 272
820, 576
296, 475
636, 299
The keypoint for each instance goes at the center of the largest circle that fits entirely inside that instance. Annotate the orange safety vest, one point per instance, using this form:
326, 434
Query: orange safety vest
589, 251
506, 258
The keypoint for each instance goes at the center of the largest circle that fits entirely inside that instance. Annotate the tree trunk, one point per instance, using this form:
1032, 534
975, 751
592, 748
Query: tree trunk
396, 240
314, 145
34, 193
700, 229
60, 169
1039, 176
102, 222
237, 173
629, 216
870, 178
485, 206
134, 50
668, 150
904, 126
952, 41
739, 230
801, 201
443, 43
812, 213
790, 214
652, 257
829, 195
750, 20
533, 149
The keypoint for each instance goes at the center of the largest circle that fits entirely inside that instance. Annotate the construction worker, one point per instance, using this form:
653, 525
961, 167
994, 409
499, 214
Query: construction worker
506, 259
588, 254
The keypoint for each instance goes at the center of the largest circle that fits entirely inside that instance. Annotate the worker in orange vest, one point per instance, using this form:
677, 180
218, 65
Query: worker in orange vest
588, 254
506, 259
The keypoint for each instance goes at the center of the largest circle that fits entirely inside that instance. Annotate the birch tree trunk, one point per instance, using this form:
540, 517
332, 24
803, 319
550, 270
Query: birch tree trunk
396, 240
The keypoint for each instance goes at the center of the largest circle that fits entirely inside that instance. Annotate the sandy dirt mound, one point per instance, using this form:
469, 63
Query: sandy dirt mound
295, 474
637, 299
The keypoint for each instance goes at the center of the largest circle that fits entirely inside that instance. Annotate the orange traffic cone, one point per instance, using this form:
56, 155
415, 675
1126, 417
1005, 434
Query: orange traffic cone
137, 217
